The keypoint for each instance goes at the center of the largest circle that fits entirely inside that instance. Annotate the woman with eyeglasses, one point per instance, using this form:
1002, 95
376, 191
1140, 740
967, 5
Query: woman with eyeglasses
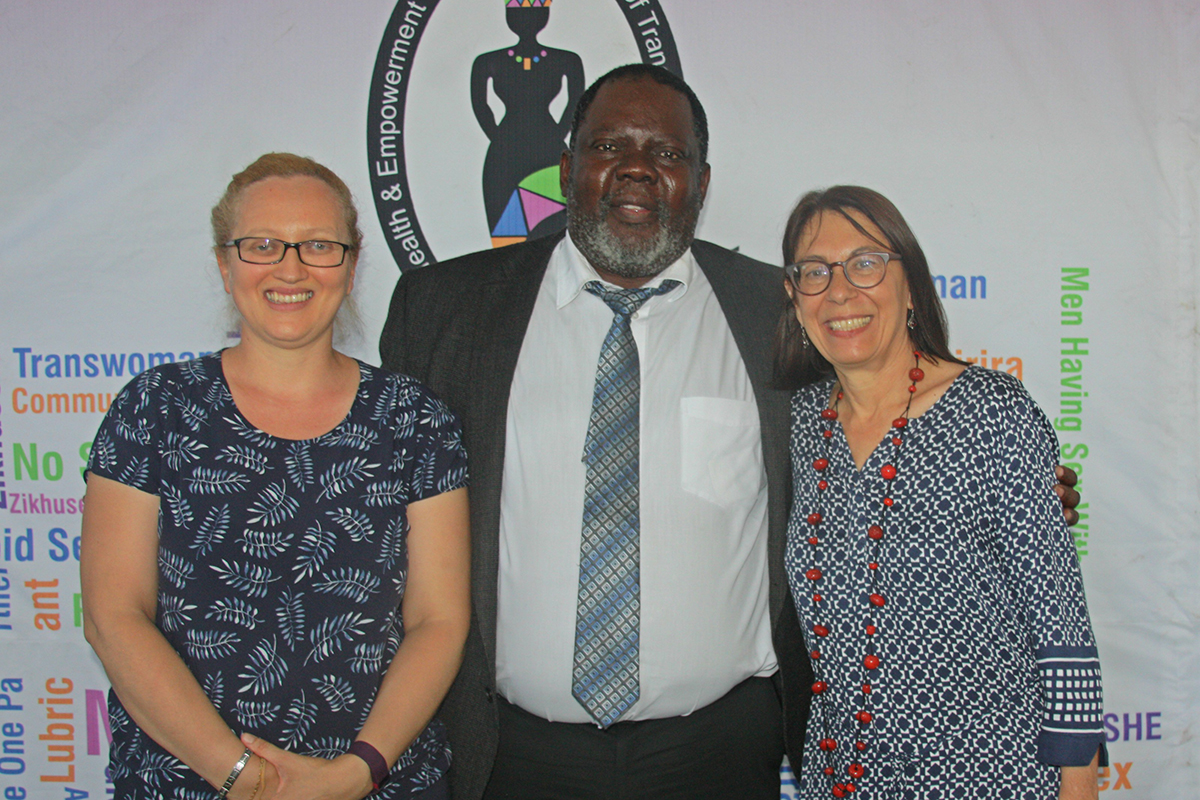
275, 542
935, 579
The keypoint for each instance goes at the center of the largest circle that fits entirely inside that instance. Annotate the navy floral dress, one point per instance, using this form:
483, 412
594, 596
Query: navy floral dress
282, 563
988, 672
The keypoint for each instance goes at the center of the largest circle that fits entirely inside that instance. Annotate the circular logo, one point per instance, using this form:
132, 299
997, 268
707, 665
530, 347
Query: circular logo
477, 128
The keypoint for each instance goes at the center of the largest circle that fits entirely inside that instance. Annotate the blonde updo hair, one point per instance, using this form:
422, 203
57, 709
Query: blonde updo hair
280, 165
348, 324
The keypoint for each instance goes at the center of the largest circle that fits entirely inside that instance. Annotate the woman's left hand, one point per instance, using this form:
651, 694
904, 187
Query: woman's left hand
1079, 783
346, 777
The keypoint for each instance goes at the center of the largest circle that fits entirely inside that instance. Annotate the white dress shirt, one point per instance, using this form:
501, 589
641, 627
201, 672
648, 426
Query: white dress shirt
705, 623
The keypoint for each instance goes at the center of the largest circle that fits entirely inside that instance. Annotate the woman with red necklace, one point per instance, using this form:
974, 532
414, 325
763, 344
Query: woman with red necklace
933, 573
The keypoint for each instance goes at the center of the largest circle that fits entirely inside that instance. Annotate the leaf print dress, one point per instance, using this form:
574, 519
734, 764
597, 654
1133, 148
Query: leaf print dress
282, 563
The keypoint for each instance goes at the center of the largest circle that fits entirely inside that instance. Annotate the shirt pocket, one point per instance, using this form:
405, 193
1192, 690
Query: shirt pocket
721, 450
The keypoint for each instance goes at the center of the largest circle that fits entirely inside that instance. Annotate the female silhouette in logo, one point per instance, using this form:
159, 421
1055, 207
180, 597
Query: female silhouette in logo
520, 173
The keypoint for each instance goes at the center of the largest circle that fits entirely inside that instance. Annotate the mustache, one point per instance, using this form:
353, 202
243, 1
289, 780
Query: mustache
608, 201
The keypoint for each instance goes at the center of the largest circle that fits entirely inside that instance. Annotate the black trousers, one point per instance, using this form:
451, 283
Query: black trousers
730, 749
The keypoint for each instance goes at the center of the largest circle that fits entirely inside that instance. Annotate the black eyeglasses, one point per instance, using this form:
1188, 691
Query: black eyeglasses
813, 276
314, 253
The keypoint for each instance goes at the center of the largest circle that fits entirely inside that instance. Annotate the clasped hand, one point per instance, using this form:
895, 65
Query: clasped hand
288, 776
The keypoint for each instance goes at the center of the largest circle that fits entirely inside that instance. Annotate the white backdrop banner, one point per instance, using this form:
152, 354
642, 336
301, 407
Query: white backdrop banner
1046, 154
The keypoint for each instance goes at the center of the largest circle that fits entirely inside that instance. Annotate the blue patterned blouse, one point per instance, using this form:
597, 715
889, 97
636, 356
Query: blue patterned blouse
282, 563
988, 674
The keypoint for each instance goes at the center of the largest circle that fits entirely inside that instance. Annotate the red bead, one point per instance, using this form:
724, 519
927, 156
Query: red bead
813, 540
875, 532
817, 598
840, 395
896, 441
828, 413
856, 770
820, 630
814, 518
912, 388
819, 687
828, 770
860, 746
814, 655
888, 472
864, 717
827, 434
899, 422
872, 565
828, 745
821, 464
839, 790
887, 501
822, 484
866, 688
871, 662
916, 374
870, 629
877, 600
851, 788
813, 574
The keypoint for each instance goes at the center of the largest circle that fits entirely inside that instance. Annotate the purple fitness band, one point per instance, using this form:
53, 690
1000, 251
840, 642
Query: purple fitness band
375, 761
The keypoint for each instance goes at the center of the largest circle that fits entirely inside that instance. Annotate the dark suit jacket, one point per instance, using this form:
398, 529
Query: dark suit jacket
458, 327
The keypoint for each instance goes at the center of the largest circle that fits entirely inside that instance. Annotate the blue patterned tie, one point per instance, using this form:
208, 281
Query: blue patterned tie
604, 678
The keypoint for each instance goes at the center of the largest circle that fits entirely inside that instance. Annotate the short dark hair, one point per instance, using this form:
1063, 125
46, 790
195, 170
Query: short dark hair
658, 75
798, 363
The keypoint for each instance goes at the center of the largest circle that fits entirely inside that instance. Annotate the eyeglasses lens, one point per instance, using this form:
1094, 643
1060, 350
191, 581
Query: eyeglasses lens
864, 271
315, 253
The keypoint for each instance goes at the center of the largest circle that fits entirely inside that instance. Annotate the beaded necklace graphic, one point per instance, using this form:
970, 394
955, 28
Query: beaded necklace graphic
876, 601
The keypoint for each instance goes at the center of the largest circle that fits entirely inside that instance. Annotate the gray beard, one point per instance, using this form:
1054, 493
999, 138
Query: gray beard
605, 251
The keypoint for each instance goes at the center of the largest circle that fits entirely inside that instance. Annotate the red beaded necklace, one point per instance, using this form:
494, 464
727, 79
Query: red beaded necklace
875, 598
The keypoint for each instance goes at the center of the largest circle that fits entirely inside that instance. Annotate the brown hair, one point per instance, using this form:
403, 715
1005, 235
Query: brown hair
798, 363
280, 165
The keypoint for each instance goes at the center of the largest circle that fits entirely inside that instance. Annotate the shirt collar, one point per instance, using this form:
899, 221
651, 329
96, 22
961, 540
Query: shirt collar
571, 270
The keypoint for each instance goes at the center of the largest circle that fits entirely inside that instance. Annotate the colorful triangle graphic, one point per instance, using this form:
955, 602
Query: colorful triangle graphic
537, 208
512, 221
545, 183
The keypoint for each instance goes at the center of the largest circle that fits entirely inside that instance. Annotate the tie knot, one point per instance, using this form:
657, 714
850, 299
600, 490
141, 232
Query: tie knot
626, 301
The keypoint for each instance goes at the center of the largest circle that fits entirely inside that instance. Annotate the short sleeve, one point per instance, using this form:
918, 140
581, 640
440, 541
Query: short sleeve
429, 449
126, 447
1037, 554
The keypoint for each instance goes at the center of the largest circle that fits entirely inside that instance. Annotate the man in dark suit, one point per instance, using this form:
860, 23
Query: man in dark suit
509, 339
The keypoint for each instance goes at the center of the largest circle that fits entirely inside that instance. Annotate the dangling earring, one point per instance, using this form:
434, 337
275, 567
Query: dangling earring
912, 320
803, 337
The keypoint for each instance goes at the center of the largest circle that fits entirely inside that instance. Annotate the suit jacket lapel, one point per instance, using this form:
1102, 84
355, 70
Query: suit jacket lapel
752, 310
506, 301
